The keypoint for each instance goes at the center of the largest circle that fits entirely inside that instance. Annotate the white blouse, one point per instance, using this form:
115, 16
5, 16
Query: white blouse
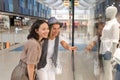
51, 44
110, 35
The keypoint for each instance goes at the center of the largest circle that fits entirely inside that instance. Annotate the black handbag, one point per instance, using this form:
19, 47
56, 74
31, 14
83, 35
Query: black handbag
107, 55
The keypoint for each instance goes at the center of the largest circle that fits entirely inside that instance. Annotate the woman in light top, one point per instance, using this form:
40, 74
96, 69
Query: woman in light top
48, 60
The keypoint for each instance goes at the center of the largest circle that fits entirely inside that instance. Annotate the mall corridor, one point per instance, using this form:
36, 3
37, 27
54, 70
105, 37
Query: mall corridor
82, 23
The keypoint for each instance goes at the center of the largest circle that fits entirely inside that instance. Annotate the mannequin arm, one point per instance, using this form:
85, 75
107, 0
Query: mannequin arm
114, 47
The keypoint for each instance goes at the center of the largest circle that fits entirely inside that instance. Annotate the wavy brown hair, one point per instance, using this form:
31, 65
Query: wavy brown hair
35, 26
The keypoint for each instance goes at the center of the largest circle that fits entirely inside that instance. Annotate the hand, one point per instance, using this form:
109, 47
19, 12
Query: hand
73, 48
88, 48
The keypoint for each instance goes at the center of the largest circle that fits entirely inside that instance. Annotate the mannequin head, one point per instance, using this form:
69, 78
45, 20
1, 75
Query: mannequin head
111, 12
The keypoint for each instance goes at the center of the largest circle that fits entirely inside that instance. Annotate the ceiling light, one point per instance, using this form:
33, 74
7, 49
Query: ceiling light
76, 3
67, 3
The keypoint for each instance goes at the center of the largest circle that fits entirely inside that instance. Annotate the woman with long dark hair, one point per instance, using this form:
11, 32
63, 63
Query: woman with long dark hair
31, 54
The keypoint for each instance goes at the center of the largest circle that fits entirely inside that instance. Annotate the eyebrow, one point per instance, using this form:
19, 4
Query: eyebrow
56, 28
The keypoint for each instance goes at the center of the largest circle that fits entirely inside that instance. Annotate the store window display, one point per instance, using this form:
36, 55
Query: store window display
109, 40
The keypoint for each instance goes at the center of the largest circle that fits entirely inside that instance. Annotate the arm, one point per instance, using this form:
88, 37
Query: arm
115, 37
30, 69
90, 46
67, 46
33, 51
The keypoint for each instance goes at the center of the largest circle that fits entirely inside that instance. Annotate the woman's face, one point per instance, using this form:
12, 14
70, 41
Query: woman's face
55, 30
43, 30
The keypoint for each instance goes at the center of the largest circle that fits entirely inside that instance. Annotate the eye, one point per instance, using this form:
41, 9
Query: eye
54, 28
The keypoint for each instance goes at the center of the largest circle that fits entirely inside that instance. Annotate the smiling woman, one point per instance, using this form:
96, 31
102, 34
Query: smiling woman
31, 54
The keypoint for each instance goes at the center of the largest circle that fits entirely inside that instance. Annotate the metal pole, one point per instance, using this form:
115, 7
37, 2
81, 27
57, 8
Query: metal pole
73, 67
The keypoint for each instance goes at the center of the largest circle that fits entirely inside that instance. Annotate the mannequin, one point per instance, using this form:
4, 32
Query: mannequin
111, 12
109, 40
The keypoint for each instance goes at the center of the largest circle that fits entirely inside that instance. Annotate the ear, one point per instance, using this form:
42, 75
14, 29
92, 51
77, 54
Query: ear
36, 30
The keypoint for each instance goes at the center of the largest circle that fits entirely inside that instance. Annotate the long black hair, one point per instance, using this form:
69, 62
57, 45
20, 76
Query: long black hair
35, 26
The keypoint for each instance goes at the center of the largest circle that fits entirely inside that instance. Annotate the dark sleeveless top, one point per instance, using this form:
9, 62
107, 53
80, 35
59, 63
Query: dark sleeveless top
42, 62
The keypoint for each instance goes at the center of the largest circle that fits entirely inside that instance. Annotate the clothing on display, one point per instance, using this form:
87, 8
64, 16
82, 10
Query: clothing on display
109, 38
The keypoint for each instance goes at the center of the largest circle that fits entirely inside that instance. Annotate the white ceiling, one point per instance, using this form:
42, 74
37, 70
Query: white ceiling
59, 5
84, 9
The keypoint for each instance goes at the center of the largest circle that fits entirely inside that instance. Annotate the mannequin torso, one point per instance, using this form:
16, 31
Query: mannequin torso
110, 33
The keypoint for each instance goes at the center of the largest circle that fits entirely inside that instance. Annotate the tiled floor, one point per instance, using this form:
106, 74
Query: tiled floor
83, 68
7, 63
82, 72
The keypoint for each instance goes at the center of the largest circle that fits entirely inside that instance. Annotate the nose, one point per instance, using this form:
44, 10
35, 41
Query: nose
57, 30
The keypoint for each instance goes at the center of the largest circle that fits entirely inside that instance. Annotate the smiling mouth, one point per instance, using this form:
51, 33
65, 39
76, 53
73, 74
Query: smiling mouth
45, 34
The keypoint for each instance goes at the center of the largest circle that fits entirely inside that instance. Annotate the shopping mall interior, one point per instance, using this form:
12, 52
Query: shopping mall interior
79, 18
